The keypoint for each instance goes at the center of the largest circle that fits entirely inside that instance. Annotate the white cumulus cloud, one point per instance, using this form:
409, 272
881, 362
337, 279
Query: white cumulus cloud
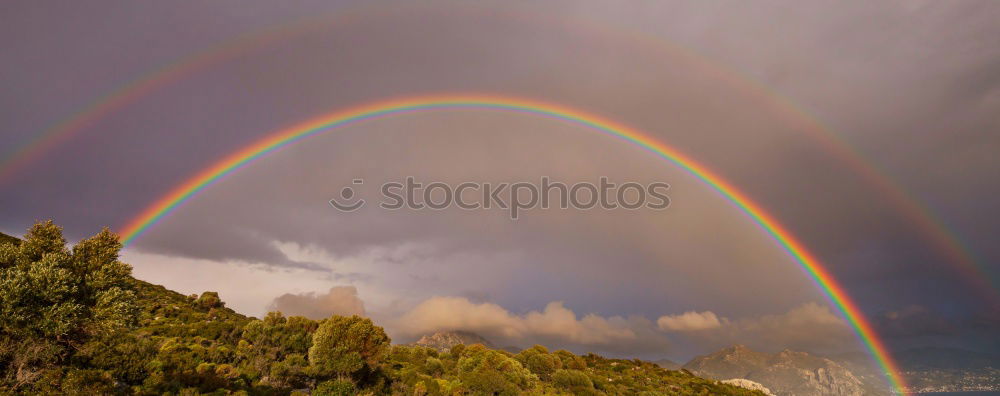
689, 321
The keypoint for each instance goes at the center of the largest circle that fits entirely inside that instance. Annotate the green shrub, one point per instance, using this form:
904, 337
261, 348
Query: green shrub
336, 388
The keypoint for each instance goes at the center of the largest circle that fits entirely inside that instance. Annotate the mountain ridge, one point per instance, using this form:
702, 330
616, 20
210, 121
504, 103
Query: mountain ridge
785, 373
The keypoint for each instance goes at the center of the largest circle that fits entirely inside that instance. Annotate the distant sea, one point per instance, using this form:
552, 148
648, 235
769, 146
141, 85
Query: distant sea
980, 393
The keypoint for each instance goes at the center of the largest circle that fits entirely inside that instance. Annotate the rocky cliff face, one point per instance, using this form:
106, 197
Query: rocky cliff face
785, 373
444, 340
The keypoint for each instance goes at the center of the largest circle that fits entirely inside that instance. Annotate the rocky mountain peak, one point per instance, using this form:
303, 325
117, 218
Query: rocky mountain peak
444, 340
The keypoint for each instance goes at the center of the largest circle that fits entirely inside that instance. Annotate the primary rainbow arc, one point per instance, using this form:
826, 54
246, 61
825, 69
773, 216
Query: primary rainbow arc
274, 141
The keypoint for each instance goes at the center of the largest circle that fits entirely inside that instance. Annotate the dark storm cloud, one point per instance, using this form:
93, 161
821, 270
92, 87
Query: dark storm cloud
911, 85
914, 320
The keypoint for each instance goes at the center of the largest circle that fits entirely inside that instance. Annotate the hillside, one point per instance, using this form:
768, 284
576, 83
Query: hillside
4, 238
73, 321
784, 373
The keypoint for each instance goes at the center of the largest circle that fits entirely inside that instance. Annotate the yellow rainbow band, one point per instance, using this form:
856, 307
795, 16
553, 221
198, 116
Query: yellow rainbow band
381, 109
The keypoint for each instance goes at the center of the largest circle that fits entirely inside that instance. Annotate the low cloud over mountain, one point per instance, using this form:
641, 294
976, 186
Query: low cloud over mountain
810, 326
340, 300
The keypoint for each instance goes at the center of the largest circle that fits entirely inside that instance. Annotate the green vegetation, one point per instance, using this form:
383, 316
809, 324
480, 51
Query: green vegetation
4, 238
76, 322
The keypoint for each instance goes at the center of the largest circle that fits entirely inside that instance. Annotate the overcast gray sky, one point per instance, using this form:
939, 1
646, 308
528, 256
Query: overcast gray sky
911, 86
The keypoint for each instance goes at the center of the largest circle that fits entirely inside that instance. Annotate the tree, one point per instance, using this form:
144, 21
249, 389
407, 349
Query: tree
336, 388
51, 292
575, 381
539, 361
52, 299
489, 372
345, 346
209, 300
275, 347
571, 361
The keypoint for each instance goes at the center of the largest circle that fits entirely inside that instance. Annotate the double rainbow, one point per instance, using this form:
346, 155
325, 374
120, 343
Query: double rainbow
382, 109
939, 234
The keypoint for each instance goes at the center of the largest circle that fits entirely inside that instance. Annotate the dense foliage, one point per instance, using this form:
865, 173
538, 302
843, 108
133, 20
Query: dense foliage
76, 322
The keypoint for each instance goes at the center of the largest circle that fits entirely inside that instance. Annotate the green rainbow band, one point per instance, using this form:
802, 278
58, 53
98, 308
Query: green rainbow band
274, 141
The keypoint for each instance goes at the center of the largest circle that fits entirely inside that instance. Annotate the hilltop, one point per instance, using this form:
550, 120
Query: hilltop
668, 364
445, 340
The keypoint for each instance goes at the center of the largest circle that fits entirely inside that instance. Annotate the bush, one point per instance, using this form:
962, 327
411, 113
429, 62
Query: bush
485, 371
209, 300
538, 360
572, 380
336, 388
345, 346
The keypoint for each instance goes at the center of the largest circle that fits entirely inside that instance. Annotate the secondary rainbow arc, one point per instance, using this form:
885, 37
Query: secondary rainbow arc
381, 109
